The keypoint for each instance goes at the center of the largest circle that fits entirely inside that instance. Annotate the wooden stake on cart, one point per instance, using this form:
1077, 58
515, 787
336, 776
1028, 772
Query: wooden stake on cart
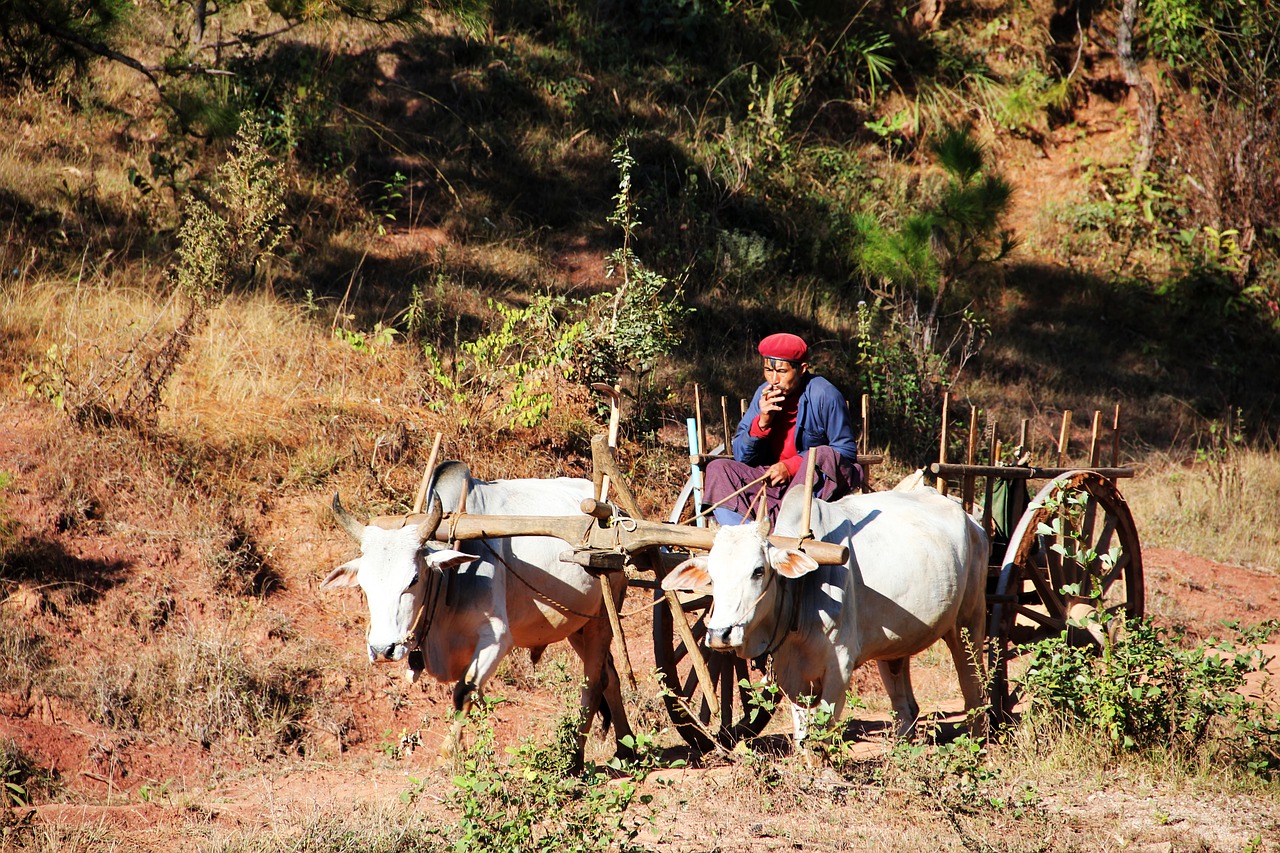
606, 590
967, 481
1093, 439
1023, 449
1115, 439
697, 413
865, 441
724, 416
942, 441
1064, 437
993, 459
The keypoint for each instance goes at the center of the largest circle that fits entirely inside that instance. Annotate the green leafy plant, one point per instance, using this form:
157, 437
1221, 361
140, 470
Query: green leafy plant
641, 319
1153, 689
527, 802
504, 377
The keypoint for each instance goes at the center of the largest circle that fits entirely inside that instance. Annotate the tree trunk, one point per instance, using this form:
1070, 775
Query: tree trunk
1141, 85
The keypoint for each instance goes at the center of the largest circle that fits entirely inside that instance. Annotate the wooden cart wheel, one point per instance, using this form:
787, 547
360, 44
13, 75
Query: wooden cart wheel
740, 719
1040, 589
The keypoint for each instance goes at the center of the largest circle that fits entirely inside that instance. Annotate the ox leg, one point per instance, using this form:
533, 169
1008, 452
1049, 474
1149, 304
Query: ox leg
896, 675
599, 681
492, 645
966, 653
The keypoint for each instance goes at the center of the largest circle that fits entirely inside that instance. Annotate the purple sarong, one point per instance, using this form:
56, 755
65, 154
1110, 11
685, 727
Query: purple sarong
834, 478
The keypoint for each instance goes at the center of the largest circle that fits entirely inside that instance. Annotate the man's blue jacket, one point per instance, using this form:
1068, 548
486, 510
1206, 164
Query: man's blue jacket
822, 418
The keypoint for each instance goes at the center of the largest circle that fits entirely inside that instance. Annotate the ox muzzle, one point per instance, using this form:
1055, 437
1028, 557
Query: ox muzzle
388, 653
728, 639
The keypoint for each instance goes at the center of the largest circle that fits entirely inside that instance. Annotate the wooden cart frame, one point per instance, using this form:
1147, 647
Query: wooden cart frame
1067, 560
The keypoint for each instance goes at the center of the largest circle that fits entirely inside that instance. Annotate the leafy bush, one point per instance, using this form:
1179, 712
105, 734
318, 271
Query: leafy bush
1151, 689
531, 804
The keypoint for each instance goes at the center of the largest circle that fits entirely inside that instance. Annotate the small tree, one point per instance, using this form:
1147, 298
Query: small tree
922, 277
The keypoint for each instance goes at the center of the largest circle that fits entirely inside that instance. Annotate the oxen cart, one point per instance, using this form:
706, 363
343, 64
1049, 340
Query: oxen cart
1066, 560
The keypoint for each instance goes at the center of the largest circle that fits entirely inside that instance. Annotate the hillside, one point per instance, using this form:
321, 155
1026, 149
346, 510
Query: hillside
249, 268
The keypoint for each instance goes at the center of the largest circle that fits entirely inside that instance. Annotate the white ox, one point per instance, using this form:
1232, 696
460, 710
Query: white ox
916, 573
516, 592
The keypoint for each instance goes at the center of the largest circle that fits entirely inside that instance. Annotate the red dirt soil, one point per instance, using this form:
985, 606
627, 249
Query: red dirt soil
162, 792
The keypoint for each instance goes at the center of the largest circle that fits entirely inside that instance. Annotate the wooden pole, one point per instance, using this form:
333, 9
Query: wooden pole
1115, 439
426, 475
968, 480
697, 412
806, 531
606, 587
993, 459
1064, 436
1093, 439
942, 441
1023, 449
724, 416
866, 421
615, 417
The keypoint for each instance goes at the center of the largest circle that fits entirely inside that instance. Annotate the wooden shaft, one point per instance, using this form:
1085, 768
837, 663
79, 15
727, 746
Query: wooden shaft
426, 475
866, 421
1022, 437
615, 622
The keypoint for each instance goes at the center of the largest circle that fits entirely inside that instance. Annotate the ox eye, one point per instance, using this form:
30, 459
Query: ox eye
757, 573
413, 581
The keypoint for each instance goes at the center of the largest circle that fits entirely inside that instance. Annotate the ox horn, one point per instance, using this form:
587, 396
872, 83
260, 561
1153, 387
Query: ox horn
353, 526
428, 528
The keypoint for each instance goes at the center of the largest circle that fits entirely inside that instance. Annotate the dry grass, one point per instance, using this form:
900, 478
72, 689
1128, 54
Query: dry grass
1222, 506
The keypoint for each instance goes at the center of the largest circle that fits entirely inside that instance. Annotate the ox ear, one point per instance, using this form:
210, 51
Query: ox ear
689, 576
447, 558
791, 563
344, 575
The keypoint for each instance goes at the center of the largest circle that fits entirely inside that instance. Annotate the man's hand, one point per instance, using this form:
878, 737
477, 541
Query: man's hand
770, 402
778, 474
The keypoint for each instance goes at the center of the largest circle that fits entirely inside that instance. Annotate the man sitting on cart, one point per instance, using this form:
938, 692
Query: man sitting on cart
793, 413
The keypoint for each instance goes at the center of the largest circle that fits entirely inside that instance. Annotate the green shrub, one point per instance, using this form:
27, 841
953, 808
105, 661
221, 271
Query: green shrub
1152, 689
530, 803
